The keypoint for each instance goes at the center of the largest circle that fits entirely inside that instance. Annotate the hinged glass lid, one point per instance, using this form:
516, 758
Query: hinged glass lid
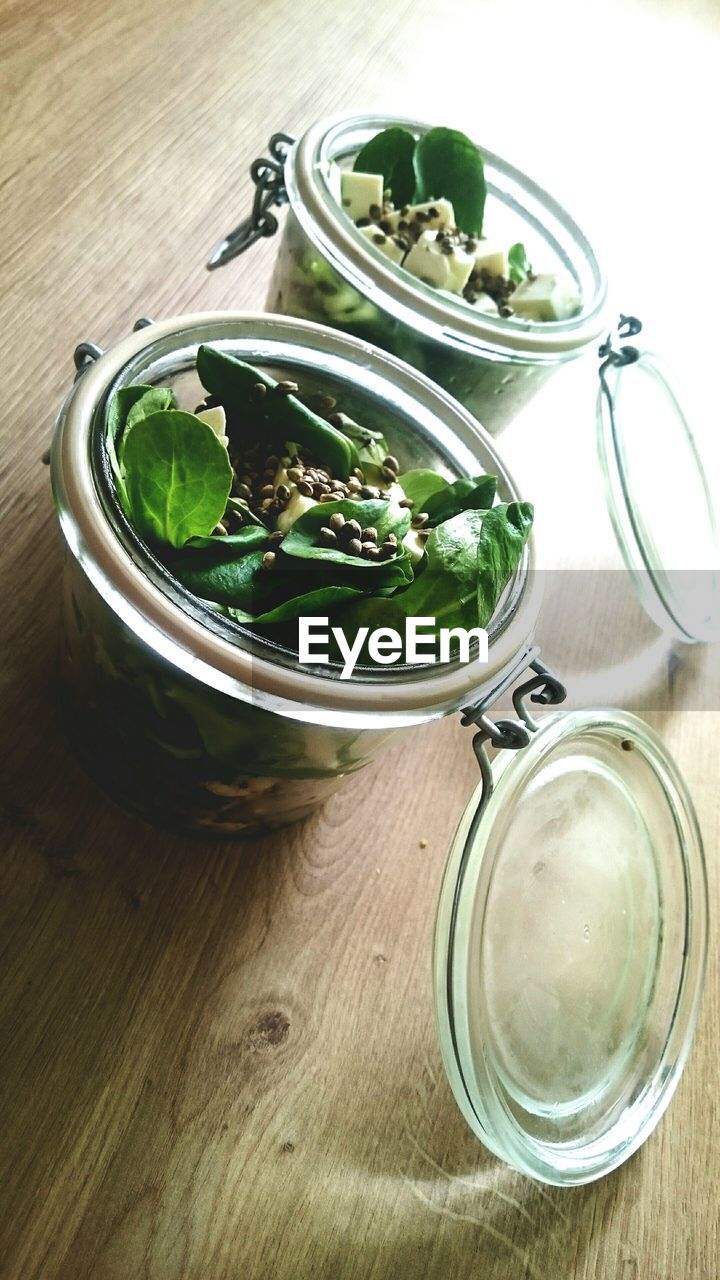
659, 494
570, 946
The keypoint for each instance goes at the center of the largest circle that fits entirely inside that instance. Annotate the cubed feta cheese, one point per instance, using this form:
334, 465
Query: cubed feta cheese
215, 418
436, 215
414, 544
461, 267
484, 302
386, 244
427, 261
546, 297
360, 191
491, 257
296, 507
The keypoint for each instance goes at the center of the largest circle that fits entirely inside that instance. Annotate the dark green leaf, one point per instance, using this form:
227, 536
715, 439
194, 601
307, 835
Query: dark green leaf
225, 575
371, 457
447, 587
119, 408
126, 407
468, 494
359, 434
371, 612
503, 536
518, 264
323, 601
391, 154
154, 399
177, 477
249, 538
383, 515
420, 484
241, 509
448, 165
283, 417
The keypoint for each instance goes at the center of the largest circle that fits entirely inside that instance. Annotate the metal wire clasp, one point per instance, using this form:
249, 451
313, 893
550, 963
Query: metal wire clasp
543, 688
628, 327
269, 179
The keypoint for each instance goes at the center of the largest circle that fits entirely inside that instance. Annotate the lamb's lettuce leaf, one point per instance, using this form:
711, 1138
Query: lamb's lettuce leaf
177, 477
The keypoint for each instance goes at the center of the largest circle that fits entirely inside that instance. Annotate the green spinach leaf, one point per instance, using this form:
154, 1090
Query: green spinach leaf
448, 164
323, 600
518, 264
154, 399
283, 416
383, 515
359, 434
249, 538
391, 154
226, 576
468, 494
503, 535
421, 484
447, 588
177, 477
240, 508
127, 406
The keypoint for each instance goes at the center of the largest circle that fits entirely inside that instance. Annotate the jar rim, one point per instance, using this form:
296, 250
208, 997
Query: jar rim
183, 637
417, 305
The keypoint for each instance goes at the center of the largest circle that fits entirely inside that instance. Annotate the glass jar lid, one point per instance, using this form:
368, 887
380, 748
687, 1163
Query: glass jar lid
570, 946
660, 503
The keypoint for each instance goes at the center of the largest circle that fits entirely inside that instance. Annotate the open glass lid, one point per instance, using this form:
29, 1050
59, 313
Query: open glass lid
570, 946
658, 493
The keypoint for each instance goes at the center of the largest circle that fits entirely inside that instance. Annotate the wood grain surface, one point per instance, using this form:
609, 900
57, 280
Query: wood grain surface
219, 1060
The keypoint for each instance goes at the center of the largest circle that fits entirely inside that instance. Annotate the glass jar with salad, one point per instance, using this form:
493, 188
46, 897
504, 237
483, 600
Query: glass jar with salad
221, 478
410, 236
217, 479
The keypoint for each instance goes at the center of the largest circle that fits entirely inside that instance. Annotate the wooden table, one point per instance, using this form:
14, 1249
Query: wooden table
219, 1060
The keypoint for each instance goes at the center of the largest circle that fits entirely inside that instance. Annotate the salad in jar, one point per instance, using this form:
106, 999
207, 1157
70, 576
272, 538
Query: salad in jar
421, 203
227, 483
271, 505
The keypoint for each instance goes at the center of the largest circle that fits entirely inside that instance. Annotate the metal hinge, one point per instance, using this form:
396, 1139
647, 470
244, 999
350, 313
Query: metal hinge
543, 688
269, 178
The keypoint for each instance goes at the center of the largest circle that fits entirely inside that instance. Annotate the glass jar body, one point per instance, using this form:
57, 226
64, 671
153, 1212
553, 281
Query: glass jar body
178, 753
493, 387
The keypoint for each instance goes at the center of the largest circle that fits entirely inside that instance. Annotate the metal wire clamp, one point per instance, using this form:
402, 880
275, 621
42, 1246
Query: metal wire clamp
269, 178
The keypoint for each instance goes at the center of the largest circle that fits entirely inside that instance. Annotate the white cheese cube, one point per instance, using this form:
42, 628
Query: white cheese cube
215, 418
484, 302
414, 544
427, 261
546, 297
491, 257
359, 192
461, 268
440, 214
386, 244
296, 507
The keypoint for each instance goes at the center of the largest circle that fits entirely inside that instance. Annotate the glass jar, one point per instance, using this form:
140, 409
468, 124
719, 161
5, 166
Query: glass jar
571, 931
326, 271
187, 718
